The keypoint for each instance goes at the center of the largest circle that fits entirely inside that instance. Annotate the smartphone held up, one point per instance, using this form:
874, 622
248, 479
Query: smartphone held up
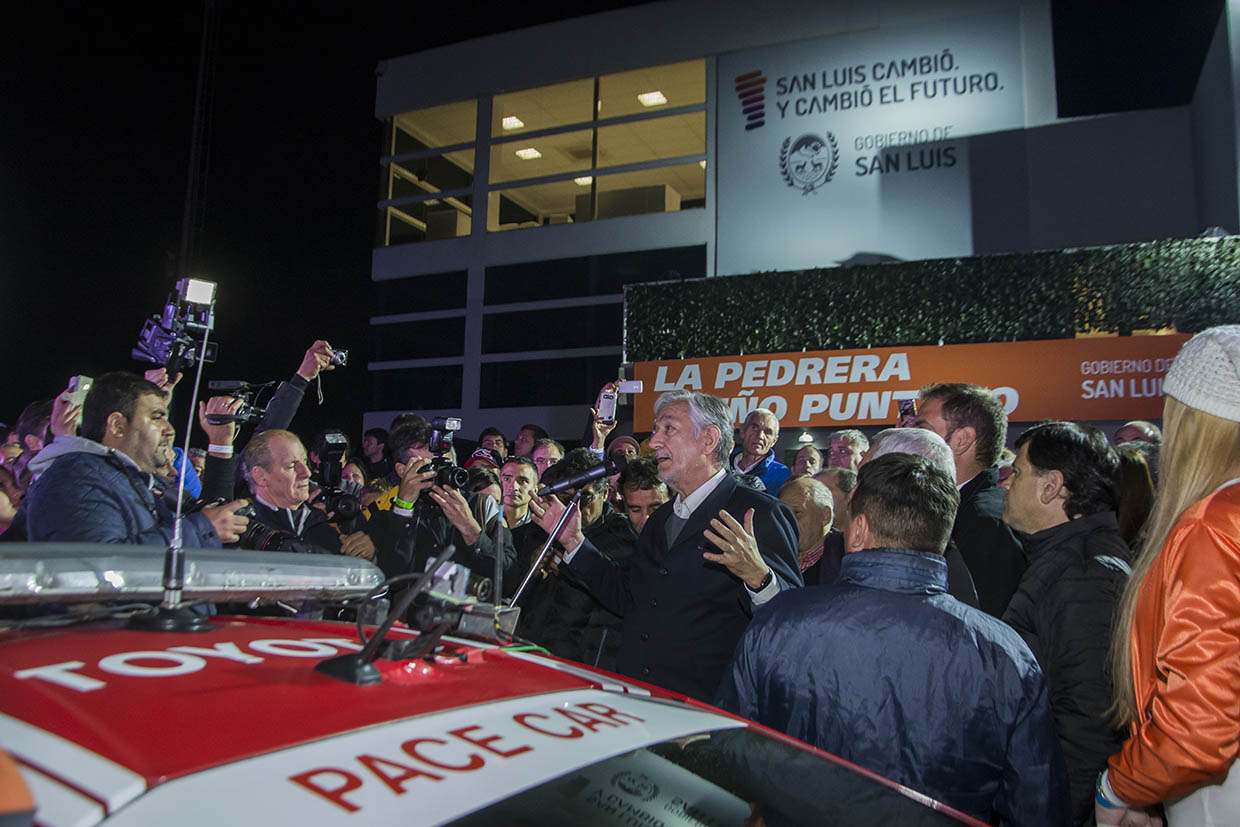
608, 398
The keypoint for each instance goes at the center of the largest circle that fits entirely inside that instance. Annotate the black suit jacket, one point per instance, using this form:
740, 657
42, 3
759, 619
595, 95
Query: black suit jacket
683, 615
990, 548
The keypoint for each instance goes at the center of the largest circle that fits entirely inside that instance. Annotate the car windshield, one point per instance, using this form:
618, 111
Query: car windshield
725, 777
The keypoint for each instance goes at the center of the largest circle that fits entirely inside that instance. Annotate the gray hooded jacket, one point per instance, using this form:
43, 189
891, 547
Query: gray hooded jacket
86, 492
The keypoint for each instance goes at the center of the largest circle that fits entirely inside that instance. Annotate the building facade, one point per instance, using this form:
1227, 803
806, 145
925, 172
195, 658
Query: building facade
527, 177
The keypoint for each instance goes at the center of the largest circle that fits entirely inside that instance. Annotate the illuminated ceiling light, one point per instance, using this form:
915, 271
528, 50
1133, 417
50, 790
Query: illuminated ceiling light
583, 182
654, 98
528, 154
805, 436
702, 164
512, 122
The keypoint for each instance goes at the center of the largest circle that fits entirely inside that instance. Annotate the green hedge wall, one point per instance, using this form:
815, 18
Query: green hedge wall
1188, 284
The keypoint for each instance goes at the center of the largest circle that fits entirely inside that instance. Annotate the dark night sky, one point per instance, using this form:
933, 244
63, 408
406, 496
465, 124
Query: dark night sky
96, 103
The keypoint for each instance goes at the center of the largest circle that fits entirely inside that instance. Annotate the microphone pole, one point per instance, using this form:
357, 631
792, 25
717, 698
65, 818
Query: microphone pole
547, 546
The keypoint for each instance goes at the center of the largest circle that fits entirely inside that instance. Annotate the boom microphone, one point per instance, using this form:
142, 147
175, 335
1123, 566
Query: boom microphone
611, 466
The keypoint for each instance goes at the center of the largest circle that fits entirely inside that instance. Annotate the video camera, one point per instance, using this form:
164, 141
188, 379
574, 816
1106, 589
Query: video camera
168, 339
246, 392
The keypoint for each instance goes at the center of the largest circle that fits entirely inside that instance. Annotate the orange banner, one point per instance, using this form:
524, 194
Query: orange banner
1089, 379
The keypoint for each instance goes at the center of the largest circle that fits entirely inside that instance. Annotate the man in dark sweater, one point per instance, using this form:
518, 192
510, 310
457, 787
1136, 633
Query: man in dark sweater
972, 422
558, 611
1062, 495
693, 584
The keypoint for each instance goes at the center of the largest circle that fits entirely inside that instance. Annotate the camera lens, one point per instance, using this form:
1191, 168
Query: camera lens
452, 476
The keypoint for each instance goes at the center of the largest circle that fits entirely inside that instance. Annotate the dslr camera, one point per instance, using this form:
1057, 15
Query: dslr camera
447, 474
262, 537
344, 505
443, 428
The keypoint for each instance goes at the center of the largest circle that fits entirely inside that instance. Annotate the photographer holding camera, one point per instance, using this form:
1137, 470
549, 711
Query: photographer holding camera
275, 466
430, 511
219, 477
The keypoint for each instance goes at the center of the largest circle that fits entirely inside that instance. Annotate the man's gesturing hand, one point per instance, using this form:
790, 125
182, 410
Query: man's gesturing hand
738, 547
228, 524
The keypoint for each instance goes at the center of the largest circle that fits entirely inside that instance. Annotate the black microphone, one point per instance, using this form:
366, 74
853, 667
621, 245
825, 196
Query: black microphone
612, 466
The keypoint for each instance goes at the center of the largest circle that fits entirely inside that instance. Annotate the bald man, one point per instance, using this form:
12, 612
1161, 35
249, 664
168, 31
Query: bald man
820, 548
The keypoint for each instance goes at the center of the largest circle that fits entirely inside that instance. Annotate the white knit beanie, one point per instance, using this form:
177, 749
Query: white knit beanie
1206, 372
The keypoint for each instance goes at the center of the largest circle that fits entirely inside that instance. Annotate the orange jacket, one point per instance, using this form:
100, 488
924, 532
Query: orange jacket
16, 804
1186, 659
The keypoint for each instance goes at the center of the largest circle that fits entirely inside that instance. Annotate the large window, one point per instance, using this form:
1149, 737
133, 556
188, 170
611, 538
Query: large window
622, 144
548, 107
423, 339
428, 174
419, 294
594, 325
544, 381
412, 389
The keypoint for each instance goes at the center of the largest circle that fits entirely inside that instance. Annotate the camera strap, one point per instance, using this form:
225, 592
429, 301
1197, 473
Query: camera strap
318, 383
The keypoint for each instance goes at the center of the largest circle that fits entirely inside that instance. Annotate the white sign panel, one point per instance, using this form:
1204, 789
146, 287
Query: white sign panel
854, 144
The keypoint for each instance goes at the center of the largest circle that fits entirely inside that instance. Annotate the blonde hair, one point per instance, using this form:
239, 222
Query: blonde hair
1200, 452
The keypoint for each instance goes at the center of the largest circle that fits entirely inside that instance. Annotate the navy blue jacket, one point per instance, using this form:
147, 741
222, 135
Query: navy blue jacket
682, 614
96, 495
886, 670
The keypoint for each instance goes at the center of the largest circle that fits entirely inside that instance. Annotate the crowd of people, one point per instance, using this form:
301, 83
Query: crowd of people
1043, 633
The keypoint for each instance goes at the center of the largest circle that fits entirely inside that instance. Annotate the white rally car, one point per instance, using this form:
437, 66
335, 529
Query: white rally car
234, 725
